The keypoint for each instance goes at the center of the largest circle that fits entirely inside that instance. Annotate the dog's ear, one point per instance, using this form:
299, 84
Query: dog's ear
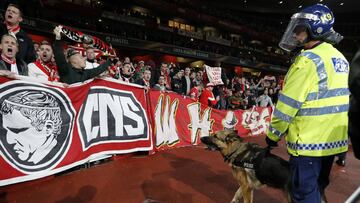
235, 135
228, 139
232, 138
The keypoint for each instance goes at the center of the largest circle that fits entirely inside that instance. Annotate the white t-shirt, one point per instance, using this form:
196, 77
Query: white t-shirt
90, 65
188, 84
264, 101
35, 72
14, 68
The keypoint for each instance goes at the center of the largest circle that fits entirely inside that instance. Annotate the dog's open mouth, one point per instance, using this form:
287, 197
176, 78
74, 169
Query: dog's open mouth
212, 148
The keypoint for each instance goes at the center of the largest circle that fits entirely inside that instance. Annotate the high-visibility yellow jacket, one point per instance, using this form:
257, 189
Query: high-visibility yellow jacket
312, 107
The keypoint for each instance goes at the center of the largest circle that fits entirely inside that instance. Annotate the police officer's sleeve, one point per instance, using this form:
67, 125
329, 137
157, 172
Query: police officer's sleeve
296, 88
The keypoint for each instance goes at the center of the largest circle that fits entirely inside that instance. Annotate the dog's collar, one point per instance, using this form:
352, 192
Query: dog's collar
234, 154
227, 158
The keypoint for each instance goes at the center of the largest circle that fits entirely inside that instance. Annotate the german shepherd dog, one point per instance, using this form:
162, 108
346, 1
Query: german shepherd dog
252, 166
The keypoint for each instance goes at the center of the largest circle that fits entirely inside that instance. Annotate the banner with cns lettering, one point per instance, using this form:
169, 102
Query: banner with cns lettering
179, 122
47, 129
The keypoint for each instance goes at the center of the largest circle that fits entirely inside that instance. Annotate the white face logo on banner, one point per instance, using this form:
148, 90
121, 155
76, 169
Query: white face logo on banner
230, 121
257, 122
36, 122
111, 115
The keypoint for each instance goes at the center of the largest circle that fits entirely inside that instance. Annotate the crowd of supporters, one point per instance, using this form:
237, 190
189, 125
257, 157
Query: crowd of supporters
152, 31
48, 62
237, 92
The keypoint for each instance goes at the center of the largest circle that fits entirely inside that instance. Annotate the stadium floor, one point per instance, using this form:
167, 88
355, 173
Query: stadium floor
184, 175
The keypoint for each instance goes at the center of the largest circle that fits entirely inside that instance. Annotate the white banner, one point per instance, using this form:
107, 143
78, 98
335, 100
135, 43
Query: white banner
214, 75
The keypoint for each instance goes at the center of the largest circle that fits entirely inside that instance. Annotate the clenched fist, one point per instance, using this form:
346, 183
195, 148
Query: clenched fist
57, 32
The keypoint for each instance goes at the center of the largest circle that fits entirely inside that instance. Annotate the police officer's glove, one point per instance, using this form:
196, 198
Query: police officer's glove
270, 143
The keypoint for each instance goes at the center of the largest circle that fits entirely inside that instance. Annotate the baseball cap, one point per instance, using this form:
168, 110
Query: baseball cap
210, 84
71, 52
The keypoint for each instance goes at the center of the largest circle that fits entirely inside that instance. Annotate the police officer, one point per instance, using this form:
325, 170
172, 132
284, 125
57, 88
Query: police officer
312, 107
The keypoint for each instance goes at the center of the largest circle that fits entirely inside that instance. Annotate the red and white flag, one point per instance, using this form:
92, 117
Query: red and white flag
214, 75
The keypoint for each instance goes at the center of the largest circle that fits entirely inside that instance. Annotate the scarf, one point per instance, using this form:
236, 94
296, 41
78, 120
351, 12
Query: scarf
49, 69
7, 60
12, 29
12, 64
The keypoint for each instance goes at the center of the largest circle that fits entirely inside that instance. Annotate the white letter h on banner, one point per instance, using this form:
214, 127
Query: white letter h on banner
204, 124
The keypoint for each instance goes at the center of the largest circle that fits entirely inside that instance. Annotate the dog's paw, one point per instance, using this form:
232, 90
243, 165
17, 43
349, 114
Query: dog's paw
235, 201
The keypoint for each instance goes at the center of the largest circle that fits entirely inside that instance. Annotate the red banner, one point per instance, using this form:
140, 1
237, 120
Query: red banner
46, 129
181, 122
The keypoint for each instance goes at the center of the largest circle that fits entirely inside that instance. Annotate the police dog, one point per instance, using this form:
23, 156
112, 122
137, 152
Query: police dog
252, 166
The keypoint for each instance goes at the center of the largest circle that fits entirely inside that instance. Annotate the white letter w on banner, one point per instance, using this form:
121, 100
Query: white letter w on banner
165, 126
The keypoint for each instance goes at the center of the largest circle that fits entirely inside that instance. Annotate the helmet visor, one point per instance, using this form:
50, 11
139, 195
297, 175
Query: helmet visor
295, 27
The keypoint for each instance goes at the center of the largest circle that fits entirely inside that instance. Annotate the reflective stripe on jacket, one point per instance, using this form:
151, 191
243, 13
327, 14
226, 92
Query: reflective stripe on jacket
312, 107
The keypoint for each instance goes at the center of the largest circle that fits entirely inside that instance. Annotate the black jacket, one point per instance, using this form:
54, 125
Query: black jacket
184, 85
155, 74
140, 82
354, 109
176, 85
69, 74
21, 65
26, 46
